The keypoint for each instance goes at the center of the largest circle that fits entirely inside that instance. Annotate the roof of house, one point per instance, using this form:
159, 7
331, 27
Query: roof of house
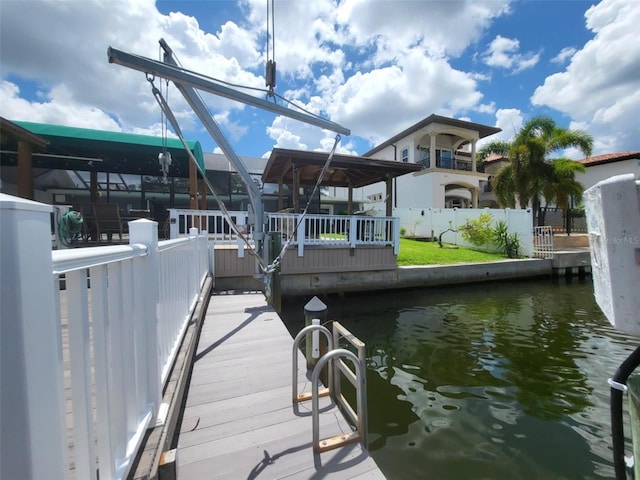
344, 170
609, 158
494, 157
72, 148
483, 130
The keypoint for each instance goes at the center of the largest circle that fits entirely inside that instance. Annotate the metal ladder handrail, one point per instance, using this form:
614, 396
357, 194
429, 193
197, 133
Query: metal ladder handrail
357, 379
294, 377
361, 431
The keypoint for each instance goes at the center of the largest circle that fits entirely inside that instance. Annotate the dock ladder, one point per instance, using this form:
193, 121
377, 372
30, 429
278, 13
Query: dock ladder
335, 357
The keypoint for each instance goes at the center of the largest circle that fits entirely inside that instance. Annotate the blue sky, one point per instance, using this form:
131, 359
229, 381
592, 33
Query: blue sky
375, 66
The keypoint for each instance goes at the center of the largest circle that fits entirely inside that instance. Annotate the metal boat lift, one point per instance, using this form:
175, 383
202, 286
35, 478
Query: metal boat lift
187, 82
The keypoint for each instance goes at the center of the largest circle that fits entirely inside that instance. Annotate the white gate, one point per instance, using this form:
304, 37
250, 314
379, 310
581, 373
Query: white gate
543, 242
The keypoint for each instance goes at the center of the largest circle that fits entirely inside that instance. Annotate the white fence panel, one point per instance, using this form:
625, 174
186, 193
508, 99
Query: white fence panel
431, 222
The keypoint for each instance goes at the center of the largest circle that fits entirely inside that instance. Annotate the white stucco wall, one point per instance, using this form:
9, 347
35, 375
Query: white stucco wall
598, 173
424, 189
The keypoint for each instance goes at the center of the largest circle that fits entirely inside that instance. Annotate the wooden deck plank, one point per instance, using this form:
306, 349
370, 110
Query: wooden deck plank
239, 420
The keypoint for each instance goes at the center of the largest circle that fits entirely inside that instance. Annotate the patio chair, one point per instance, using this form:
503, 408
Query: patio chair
106, 217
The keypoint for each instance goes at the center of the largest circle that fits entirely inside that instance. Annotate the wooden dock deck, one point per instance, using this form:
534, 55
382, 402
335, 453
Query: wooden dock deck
239, 420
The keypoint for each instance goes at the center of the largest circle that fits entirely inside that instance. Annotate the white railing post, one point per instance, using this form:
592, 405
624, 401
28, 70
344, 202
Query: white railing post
194, 277
353, 227
396, 235
146, 232
33, 436
300, 234
173, 223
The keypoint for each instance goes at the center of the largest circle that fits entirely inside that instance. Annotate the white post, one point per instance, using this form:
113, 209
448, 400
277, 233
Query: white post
194, 278
396, 235
300, 235
33, 436
146, 232
173, 223
315, 340
473, 159
353, 225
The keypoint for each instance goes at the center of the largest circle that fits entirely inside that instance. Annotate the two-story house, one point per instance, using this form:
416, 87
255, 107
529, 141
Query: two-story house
446, 150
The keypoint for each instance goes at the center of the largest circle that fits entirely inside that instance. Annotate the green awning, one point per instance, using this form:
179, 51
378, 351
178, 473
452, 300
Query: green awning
73, 148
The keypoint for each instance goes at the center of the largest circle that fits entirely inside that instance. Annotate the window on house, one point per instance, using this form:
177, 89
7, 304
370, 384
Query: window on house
405, 155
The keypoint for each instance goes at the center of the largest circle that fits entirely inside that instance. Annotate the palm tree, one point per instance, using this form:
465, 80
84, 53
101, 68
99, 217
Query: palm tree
529, 169
562, 186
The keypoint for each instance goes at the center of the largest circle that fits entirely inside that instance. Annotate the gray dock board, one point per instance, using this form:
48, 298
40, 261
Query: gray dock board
239, 420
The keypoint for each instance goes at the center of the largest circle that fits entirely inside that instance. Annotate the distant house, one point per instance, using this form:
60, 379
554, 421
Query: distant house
608, 165
490, 166
446, 150
599, 167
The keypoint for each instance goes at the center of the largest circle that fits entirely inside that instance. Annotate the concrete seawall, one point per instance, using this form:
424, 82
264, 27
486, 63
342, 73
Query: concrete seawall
418, 276
563, 263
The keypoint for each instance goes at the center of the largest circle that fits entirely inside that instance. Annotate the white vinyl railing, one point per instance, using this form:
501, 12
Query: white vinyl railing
352, 231
211, 221
343, 230
108, 332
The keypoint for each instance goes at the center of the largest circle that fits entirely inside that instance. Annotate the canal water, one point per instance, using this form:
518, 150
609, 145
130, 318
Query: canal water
495, 381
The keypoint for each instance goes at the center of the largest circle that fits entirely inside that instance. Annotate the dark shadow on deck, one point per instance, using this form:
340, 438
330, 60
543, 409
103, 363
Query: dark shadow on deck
254, 311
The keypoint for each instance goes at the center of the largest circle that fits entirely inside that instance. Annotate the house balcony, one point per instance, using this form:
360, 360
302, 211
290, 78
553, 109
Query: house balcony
449, 164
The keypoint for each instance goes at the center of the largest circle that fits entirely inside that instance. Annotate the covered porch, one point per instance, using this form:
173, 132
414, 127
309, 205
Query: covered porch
298, 168
82, 168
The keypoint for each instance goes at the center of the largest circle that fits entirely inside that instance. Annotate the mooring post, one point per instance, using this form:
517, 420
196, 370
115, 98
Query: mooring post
274, 295
314, 309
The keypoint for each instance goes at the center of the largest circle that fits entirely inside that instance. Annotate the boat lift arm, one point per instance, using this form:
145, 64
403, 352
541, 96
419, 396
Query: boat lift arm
187, 82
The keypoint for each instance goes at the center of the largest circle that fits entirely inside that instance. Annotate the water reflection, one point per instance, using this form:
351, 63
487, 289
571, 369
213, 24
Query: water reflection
492, 381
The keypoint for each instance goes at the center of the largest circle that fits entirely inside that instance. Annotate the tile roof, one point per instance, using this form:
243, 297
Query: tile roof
494, 157
609, 158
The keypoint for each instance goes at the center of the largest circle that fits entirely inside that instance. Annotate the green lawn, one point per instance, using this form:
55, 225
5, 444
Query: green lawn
413, 252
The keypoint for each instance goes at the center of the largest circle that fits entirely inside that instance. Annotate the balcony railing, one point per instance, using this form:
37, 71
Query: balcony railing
461, 165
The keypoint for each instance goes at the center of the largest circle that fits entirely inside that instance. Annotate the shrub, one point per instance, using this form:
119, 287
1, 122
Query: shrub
403, 231
508, 243
478, 232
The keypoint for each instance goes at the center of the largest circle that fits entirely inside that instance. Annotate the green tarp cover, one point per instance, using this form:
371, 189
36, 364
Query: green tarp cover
120, 152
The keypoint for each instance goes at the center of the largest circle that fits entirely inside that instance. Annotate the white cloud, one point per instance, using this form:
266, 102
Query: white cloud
58, 108
439, 28
504, 53
564, 55
600, 87
382, 102
62, 47
509, 120
406, 75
